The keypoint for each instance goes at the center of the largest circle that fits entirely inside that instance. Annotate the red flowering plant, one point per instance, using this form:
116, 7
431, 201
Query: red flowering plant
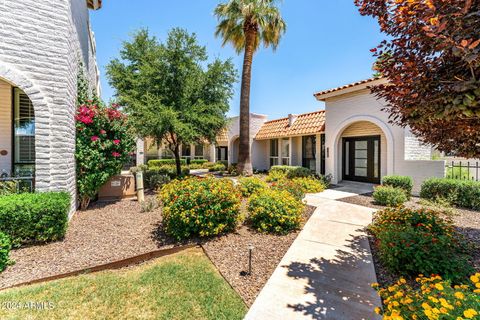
420, 241
104, 143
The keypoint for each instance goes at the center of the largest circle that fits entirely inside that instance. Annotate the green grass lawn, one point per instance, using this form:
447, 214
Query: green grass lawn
181, 286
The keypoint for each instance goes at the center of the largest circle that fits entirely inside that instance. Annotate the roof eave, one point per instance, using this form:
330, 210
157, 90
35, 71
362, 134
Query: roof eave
322, 96
291, 136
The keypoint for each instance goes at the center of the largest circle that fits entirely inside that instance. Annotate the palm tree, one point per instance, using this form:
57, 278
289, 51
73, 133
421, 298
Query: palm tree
247, 24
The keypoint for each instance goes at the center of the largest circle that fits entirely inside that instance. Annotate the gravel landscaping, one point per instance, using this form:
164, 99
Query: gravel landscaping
105, 233
466, 221
113, 231
230, 255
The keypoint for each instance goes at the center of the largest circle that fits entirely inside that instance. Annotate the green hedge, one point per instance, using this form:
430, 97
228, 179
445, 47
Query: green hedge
291, 171
458, 192
389, 196
403, 182
34, 217
5, 247
163, 162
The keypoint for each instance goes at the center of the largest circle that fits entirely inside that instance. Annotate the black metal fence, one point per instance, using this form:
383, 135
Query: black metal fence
463, 170
16, 185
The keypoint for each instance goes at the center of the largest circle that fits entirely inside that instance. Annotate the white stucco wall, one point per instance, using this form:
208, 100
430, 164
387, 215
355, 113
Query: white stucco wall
259, 152
41, 44
345, 110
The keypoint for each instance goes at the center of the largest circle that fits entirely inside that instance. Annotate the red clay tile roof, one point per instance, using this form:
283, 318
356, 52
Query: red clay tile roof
347, 86
305, 124
222, 136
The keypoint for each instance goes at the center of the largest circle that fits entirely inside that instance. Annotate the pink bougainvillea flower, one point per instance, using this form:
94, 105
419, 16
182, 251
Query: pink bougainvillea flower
94, 138
116, 154
114, 114
85, 115
103, 131
116, 142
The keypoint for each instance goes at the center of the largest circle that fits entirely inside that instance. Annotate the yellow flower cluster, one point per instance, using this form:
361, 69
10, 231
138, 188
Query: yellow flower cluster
435, 299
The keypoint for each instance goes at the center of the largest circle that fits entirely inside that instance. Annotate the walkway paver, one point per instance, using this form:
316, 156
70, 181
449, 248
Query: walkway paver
327, 272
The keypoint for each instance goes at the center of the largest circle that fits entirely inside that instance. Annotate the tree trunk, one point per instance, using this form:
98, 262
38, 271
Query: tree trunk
84, 203
244, 160
178, 161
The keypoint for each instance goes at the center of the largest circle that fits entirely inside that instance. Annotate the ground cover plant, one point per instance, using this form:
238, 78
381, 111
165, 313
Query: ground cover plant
275, 211
419, 241
200, 207
290, 186
432, 298
251, 185
180, 286
309, 184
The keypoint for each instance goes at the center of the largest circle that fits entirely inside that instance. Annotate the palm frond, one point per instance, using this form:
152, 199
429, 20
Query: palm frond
234, 15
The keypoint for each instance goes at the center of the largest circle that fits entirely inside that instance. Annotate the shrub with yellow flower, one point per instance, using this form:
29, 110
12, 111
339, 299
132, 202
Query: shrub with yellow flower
434, 299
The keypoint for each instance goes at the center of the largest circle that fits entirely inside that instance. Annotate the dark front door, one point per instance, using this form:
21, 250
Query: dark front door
361, 159
222, 154
309, 152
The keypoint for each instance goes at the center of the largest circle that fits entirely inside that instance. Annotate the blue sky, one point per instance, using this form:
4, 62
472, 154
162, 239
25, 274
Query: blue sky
326, 45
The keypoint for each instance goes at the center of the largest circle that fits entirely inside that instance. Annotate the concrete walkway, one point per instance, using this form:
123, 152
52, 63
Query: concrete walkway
327, 272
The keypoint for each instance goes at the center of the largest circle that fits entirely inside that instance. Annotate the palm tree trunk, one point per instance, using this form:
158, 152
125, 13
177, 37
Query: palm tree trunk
244, 160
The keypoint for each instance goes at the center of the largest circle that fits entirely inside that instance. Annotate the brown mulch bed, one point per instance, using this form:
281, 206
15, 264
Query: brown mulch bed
467, 223
230, 255
105, 233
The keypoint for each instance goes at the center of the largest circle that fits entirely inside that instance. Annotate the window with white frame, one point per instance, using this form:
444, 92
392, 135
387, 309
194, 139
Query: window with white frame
24, 135
273, 152
285, 151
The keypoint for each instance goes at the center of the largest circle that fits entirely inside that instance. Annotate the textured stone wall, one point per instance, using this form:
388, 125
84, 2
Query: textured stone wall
41, 43
414, 149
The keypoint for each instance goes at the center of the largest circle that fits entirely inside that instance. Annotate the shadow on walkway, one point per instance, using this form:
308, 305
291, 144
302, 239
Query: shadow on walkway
337, 295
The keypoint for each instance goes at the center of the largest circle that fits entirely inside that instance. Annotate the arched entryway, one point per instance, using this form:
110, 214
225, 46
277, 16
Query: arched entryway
234, 150
363, 150
24, 129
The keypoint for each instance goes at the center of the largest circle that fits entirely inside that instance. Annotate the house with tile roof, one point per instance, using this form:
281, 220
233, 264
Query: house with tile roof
43, 45
352, 139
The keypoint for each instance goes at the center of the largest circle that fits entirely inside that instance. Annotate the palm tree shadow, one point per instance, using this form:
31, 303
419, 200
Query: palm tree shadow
339, 288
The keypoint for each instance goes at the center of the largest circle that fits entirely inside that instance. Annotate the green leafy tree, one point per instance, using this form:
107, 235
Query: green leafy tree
170, 91
247, 24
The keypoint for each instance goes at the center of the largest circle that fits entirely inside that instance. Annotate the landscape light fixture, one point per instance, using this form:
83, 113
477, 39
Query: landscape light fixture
250, 253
